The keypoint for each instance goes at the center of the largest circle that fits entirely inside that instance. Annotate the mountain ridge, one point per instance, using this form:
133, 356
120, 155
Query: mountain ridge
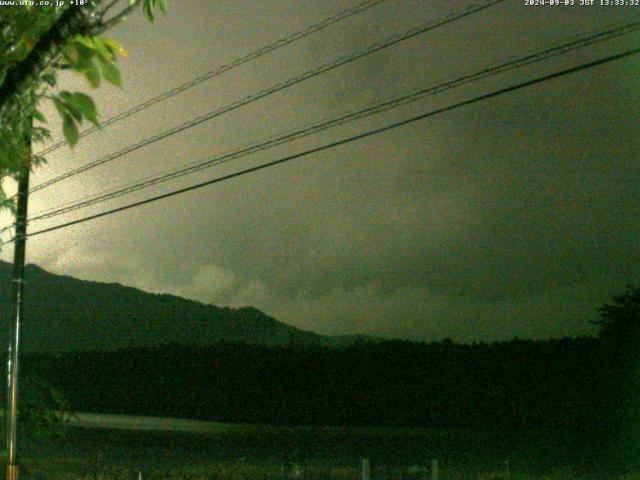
64, 313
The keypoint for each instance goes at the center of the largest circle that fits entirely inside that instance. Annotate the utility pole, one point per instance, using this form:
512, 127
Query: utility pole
17, 298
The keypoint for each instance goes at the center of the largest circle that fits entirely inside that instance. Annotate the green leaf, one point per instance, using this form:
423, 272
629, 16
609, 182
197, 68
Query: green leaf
103, 50
84, 50
86, 41
110, 72
79, 56
65, 95
87, 107
147, 10
38, 160
39, 116
71, 54
164, 6
59, 104
50, 79
93, 74
69, 106
70, 130
85, 57
115, 46
74, 112
39, 134
7, 203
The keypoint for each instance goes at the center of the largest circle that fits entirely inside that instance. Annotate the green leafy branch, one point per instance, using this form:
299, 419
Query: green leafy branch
73, 109
88, 53
149, 5
94, 58
35, 43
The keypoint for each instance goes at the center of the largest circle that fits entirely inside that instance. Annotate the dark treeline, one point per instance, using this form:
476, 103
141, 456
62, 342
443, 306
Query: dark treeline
571, 398
572, 383
584, 389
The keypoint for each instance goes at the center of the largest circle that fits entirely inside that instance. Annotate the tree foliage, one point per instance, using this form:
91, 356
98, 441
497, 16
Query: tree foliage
44, 410
620, 320
36, 42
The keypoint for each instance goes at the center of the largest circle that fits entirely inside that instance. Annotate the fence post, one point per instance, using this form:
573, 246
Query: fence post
365, 469
434, 469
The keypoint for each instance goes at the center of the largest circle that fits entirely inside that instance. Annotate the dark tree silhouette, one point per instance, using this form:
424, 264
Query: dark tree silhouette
618, 383
620, 321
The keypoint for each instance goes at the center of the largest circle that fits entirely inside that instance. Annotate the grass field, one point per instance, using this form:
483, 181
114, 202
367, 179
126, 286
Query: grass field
254, 452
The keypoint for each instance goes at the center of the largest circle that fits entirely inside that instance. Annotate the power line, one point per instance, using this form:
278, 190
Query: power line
225, 68
413, 32
386, 105
577, 42
337, 143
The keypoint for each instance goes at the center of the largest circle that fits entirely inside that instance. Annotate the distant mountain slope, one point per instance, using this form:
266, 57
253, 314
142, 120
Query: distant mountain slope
63, 313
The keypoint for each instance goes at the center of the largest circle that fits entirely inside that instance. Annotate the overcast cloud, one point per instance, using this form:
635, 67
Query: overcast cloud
517, 216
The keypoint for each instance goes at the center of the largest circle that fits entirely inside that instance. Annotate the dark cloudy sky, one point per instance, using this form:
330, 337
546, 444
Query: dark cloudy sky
517, 216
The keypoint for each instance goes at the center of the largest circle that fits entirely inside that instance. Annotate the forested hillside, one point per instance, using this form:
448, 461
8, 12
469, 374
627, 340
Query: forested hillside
568, 383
